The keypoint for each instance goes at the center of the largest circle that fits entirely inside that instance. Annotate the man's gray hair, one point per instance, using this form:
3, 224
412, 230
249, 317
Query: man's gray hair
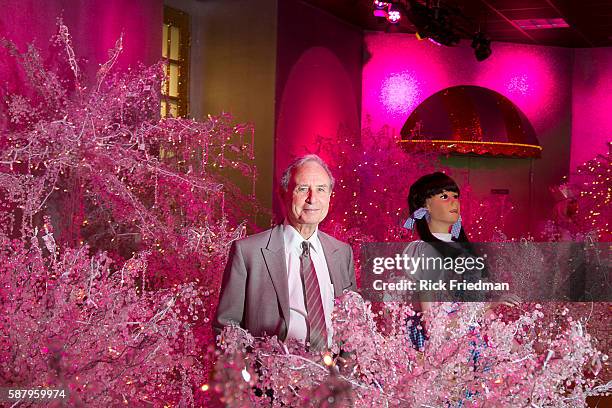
284, 181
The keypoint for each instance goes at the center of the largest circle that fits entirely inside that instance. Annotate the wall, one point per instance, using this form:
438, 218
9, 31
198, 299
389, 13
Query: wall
401, 72
318, 86
288, 68
233, 69
591, 104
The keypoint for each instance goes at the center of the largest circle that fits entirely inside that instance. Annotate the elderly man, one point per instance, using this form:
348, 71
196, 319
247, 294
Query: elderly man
283, 281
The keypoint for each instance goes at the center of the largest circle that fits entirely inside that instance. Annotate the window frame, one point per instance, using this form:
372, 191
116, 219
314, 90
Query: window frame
179, 19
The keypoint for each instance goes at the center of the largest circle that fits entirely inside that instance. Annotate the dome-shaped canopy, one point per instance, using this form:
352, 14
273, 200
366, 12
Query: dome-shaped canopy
470, 119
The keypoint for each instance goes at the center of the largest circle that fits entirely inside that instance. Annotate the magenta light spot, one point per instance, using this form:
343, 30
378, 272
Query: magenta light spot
400, 93
394, 16
518, 84
528, 76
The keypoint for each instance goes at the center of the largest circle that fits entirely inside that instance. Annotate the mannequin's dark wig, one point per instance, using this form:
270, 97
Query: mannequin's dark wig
424, 188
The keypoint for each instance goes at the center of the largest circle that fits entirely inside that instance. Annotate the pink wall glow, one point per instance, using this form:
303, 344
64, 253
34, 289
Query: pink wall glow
318, 83
94, 25
402, 72
316, 100
591, 104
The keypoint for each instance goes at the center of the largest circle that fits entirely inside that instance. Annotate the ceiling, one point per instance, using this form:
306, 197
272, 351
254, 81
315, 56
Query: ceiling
590, 21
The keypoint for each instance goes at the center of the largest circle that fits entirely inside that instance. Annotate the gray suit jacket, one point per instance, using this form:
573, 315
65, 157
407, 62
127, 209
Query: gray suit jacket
255, 289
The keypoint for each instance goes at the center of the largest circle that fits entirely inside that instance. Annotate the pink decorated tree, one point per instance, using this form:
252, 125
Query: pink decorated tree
115, 230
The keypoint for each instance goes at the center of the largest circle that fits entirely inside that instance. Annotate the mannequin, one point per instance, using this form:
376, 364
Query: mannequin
435, 209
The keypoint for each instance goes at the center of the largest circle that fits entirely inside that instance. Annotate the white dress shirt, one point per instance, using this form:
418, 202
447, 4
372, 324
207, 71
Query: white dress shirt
443, 236
297, 310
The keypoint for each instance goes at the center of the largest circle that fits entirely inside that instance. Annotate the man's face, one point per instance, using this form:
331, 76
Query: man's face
444, 207
307, 198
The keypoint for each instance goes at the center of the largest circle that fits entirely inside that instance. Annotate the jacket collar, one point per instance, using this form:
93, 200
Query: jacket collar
331, 249
274, 258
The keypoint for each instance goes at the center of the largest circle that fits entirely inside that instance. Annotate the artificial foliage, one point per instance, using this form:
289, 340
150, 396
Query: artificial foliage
594, 187
473, 357
115, 230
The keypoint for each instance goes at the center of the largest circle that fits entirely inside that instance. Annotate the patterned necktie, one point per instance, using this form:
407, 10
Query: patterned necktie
314, 305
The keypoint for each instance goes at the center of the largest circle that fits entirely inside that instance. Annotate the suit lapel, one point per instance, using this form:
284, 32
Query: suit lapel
334, 263
274, 257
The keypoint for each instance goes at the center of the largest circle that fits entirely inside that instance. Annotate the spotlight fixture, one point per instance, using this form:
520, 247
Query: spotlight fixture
381, 5
394, 14
440, 21
434, 23
380, 8
482, 46
380, 13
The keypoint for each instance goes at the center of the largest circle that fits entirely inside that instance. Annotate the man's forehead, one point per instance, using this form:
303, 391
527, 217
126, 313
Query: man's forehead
310, 172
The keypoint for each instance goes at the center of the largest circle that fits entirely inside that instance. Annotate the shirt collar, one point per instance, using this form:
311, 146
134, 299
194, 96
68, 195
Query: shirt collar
293, 239
442, 236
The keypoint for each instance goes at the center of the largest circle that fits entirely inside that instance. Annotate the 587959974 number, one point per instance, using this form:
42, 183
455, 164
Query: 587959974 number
16, 394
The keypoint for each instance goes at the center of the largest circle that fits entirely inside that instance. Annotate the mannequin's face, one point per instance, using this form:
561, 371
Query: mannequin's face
444, 208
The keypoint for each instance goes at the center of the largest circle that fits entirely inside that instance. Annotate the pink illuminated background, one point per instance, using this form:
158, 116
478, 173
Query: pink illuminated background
402, 72
311, 104
565, 93
591, 104
95, 26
